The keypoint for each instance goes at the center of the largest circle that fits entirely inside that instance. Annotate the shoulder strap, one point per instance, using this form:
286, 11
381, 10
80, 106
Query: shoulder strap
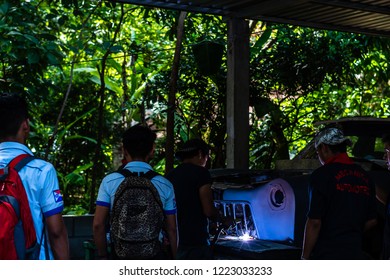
16, 163
126, 173
20, 161
11, 200
149, 175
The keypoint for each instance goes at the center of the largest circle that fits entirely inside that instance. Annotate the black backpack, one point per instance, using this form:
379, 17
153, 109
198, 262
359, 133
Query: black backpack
137, 217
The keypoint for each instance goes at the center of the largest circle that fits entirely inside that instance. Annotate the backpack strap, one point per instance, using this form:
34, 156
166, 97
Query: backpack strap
20, 161
149, 175
126, 173
17, 163
14, 203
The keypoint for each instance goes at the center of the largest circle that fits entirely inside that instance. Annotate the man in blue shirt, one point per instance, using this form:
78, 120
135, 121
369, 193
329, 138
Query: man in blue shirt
39, 178
138, 146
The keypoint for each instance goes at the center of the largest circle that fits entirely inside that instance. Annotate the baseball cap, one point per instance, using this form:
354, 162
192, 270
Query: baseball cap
331, 136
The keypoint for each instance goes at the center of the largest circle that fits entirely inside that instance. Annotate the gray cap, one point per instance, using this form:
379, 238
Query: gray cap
331, 136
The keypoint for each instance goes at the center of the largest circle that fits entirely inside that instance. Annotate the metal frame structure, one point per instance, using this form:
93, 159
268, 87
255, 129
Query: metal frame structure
361, 16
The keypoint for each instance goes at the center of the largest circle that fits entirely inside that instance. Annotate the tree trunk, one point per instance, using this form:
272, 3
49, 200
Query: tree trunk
98, 155
170, 141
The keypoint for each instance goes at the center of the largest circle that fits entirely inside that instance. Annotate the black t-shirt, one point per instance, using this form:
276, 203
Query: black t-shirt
386, 232
343, 197
192, 223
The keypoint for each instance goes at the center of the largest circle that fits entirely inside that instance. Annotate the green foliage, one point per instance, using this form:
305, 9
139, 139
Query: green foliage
62, 52
27, 46
77, 210
305, 76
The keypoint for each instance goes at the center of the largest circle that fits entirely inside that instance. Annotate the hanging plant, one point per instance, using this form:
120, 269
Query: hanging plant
208, 57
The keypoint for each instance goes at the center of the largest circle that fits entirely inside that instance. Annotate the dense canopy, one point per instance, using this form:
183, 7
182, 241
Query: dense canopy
92, 68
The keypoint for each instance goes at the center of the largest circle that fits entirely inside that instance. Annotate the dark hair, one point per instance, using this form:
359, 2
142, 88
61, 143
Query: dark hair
386, 139
138, 141
13, 111
191, 148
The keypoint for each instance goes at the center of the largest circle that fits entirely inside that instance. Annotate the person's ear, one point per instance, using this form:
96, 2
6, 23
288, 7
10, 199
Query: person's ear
126, 154
151, 154
26, 125
24, 130
326, 148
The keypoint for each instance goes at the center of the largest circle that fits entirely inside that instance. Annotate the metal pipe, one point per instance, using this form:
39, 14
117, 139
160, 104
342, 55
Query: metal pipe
234, 217
244, 216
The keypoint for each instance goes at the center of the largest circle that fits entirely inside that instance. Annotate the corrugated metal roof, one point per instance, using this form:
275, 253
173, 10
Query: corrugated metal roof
360, 16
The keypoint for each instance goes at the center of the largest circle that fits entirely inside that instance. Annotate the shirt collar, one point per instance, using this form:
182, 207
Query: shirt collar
340, 158
14, 146
138, 166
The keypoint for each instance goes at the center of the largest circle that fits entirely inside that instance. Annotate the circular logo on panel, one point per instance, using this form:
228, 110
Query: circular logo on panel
277, 197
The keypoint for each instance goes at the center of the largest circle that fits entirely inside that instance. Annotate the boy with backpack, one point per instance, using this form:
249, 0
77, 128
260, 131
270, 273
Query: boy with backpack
31, 204
138, 204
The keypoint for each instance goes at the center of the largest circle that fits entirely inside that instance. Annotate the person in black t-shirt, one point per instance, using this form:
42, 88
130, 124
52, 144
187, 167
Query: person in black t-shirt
342, 202
192, 183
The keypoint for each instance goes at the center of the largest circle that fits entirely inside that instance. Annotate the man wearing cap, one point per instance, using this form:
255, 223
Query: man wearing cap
342, 202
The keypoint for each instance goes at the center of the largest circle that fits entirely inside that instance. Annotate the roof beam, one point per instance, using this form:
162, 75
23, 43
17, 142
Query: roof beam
295, 12
266, 7
356, 6
179, 5
341, 28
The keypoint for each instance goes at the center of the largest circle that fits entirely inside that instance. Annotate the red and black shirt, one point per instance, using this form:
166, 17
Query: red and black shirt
342, 196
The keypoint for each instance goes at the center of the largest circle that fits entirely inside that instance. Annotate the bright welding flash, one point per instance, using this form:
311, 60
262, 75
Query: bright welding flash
245, 237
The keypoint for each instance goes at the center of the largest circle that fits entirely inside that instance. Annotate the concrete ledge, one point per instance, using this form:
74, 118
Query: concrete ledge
79, 230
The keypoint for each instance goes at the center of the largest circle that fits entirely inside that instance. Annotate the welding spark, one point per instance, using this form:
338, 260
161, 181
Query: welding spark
245, 237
